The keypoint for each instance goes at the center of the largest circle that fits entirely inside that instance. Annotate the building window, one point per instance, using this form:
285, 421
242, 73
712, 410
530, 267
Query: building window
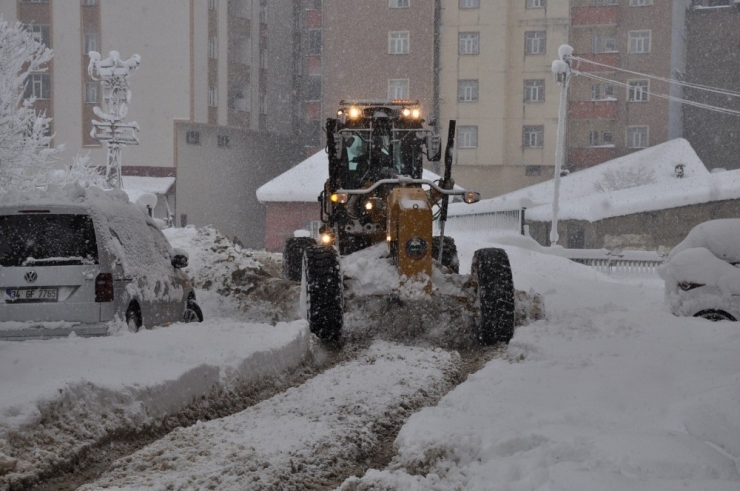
314, 41
467, 136
535, 42
608, 91
313, 4
533, 136
213, 47
597, 89
398, 88
313, 88
263, 57
603, 3
213, 5
40, 33
89, 3
607, 138
637, 90
240, 50
38, 85
603, 43
593, 138
637, 136
398, 4
263, 103
469, 4
192, 137
212, 96
92, 92
536, 4
468, 43
467, 91
34, 1
398, 43
239, 97
263, 13
90, 40
639, 41
223, 141
534, 90
239, 8
640, 3
533, 170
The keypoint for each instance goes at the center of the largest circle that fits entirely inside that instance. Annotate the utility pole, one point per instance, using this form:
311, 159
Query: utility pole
561, 69
113, 73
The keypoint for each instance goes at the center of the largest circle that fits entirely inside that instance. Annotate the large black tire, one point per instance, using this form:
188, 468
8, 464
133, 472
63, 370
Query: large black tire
133, 317
192, 313
293, 256
495, 293
322, 292
449, 253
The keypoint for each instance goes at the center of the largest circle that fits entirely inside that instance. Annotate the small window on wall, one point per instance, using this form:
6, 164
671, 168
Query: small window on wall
398, 43
314, 41
398, 88
468, 43
192, 138
91, 43
469, 4
533, 170
92, 92
638, 90
223, 141
467, 136
533, 136
536, 4
607, 138
212, 4
38, 85
467, 91
399, 4
534, 91
593, 138
535, 42
41, 33
212, 96
637, 137
89, 3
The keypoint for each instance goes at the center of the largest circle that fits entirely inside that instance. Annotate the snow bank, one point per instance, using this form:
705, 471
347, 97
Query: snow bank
610, 393
81, 390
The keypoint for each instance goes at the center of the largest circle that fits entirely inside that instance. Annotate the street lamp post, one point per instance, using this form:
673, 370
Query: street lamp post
562, 71
113, 73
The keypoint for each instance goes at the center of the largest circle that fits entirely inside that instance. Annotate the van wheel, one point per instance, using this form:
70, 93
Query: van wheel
715, 315
192, 313
133, 318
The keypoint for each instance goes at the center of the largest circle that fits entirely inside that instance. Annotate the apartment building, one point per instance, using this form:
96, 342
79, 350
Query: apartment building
614, 107
713, 32
217, 95
496, 81
378, 50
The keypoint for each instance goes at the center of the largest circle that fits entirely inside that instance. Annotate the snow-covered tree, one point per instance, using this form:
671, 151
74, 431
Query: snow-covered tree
82, 172
25, 152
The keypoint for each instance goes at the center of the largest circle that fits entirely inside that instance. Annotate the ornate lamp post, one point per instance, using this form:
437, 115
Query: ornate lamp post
113, 73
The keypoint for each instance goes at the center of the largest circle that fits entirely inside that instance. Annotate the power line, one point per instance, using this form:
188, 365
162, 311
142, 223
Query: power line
663, 96
707, 88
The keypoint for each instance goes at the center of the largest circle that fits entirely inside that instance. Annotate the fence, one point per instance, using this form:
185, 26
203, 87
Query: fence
625, 262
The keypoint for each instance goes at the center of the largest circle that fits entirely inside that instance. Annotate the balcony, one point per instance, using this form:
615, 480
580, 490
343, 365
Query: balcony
581, 158
594, 16
606, 109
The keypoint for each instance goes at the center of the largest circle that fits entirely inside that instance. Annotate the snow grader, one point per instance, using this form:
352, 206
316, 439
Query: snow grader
376, 194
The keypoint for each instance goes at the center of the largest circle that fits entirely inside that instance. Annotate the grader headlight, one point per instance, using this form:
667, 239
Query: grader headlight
340, 198
415, 113
471, 197
327, 239
354, 112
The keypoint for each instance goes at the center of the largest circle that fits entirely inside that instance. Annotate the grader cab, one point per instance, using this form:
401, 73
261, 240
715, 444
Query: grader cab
376, 192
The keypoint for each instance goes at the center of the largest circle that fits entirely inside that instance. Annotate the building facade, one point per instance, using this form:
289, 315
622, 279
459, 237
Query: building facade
713, 59
211, 70
614, 107
496, 82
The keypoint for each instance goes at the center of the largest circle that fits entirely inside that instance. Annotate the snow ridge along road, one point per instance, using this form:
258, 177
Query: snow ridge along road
308, 437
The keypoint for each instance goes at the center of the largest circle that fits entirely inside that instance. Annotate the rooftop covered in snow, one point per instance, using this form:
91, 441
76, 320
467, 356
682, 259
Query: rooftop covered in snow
305, 181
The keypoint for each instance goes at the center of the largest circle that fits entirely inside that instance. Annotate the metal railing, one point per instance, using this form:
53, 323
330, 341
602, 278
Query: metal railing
622, 262
495, 220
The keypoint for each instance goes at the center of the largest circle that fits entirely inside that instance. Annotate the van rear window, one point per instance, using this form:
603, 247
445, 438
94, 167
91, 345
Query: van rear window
53, 240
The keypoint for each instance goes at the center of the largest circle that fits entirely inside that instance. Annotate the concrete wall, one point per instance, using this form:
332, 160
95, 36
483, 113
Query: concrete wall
216, 186
654, 230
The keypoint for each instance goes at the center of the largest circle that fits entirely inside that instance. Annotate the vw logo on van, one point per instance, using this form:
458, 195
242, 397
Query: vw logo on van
31, 276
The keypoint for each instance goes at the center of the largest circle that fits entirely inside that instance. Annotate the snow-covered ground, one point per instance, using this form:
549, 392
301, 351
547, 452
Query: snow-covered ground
609, 392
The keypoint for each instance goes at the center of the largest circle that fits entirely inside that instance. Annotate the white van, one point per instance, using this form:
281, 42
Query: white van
77, 259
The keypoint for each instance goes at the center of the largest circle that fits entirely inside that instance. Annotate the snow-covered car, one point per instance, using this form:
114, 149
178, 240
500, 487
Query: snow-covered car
82, 260
702, 277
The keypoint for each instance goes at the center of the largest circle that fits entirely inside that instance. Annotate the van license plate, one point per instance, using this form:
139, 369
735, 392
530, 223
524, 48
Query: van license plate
31, 295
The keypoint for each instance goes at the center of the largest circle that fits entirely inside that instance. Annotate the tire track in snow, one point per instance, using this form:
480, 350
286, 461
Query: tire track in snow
313, 436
